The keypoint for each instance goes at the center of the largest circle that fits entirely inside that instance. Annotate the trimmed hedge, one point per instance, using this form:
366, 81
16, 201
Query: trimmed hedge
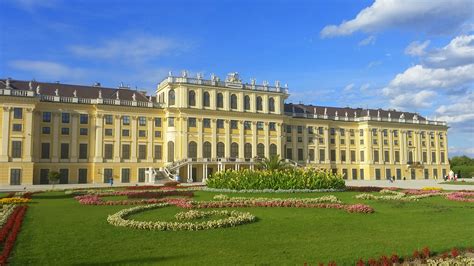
295, 178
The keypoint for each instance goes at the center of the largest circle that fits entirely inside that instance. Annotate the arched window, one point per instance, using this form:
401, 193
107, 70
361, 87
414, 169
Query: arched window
192, 150
247, 150
271, 105
234, 150
170, 151
171, 97
259, 104
246, 102
191, 98
220, 150
220, 100
206, 99
206, 150
260, 150
233, 101
273, 149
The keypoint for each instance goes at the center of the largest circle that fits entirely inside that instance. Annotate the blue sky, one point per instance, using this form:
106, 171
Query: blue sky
410, 55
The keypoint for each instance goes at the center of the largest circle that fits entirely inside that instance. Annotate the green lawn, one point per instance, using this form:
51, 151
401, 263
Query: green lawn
58, 230
466, 183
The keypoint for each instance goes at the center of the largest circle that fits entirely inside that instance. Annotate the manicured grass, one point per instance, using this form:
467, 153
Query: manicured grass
58, 230
463, 183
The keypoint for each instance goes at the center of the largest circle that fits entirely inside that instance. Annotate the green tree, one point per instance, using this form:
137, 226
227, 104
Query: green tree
463, 166
54, 177
273, 163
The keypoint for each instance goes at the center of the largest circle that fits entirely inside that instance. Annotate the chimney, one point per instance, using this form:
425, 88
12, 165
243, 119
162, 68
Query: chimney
97, 84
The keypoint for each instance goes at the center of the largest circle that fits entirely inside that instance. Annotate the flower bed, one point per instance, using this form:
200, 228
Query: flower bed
461, 196
225, 190
295, 178
328, 198
6, 211
233, 218
10, 231
364, 189
160, 194
14, 200
397, 195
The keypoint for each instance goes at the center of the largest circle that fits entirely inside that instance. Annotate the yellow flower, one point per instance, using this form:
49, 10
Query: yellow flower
13, 200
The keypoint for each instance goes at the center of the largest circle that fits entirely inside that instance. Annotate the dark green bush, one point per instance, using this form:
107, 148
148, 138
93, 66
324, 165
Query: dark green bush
295, 178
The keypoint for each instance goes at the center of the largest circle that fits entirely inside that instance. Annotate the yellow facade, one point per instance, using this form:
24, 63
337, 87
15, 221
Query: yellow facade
194, 127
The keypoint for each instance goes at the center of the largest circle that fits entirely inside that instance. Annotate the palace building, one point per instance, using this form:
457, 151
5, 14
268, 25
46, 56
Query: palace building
193, 127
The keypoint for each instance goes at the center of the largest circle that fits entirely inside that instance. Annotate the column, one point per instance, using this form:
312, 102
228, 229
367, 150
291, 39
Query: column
200, 138
74, 143
279, 141
184, 138
418, 147
56, 141
5, 134
254, 139
390, 147
241, 139
337, 141
267, 139
117, 139
227, 139
403, 147
326, 144
149, 149
294, 139
133, 146
98, 138
36, 136
214, 137
368, 149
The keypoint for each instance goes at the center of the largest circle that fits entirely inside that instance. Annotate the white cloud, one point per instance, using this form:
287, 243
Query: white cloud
129, 48
421, 99
417, 48
364, 87
458, 111
369, 40
374, 63
349, 87
460, 51
48, 69
427, 16
456, 151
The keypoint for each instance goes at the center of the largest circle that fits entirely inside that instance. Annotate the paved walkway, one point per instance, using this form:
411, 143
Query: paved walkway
414, 184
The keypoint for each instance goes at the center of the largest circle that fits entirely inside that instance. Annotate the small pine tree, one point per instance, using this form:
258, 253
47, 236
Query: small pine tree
54, 177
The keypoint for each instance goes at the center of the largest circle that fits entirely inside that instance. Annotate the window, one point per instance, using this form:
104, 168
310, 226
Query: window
259, 104
191, 122
45, 150
342, 132
354, 174
395, 142
206, 99
376, 156
343, 156
271, 105
141, 152
109, 120
83, 151
272, 126
289, 153
220, 100
395, 133
361, 156
171, 121
108, 174
64, 131
220, 150
125, 175
333, 131
300, 129
352, 141
65, 118
15, 177
426, 174
409, 133
16, 149
300, 154
207, 150
108, 151
310, 130
64, 150
288, 129
157, 122
333, 155
343, 141
125, 120
351, 132
233, 101
108, 132
84, 119
311, 155
247, 125
171, 97
125, 151
374, 132
321, 140
157, 134
361, 173
17, 113
410, 157
377, 174
361, 142
46, 117
353, 156
233, 124
300, 139
425, 157
322, 155
344, 173
64, 176
142, 133
397, 156
288, 138
246, 102
388, 173
192, 150
442, 157
261, 150
361, 132
234, 150
191, 98
259, 125
141, 175
206, 123
220, 123
83, 131
248, 150
374, 141
17, 127
386, 156
142, 121
44, 176
125, 132
158, 152
433, 157
333, 141
82, 176
273, 149
320, 130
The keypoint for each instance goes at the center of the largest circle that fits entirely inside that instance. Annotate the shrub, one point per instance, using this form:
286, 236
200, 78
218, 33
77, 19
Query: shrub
171, 184
295, 178
364, 189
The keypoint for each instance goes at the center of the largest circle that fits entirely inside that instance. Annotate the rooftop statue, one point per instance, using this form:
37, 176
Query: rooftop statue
233, 77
